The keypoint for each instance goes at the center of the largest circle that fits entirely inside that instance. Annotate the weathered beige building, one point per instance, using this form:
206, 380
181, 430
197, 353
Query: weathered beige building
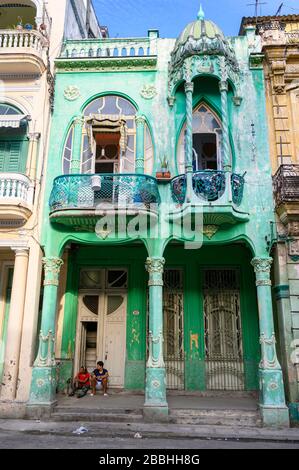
31, 36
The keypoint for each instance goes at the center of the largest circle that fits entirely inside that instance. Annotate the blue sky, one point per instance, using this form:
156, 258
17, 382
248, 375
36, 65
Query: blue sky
127, 18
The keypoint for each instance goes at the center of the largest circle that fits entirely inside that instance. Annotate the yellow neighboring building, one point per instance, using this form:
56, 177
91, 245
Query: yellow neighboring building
280, 46
31, 36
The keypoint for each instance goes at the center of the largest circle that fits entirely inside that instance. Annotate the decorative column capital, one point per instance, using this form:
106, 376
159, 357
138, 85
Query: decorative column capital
155, 265
79, 121
223, 86
34, 136
52, 268
140, 120
262, 267
189, 87
20, 250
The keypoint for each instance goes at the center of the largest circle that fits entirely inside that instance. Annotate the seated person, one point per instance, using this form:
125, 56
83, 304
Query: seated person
81, 382
99, 379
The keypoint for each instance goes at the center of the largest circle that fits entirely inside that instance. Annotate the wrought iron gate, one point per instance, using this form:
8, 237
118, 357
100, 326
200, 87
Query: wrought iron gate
223, 334
173, 311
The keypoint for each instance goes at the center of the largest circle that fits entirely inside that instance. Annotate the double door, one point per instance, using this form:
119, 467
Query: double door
101, 333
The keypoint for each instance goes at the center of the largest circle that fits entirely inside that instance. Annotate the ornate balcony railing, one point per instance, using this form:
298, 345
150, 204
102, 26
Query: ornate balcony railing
208, 185
286, 184
21, 41
121, 190
109, 48
15, 189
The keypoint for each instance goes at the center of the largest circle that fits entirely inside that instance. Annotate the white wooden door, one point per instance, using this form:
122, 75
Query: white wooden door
115, 338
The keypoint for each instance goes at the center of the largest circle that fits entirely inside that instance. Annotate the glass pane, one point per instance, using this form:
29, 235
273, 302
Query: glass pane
114, 302
92, 303
90, 279
117, 278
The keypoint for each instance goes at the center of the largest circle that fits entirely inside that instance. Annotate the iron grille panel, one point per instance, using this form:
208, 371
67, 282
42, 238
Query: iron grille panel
223, 332
208, 185
286, 184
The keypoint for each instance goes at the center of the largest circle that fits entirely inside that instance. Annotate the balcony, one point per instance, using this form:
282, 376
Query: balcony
22, 52
16, 199
99, 54
286, 192
219, 194
81, 200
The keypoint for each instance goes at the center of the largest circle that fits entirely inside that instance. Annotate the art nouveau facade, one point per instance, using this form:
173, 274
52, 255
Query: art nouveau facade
31, 33
157, 220
280, 41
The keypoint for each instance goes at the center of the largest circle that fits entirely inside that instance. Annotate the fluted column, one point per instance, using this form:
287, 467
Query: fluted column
189, 88
223, 87
155, 393
272, 396
43, 384
77, 145
15, 325
140, 128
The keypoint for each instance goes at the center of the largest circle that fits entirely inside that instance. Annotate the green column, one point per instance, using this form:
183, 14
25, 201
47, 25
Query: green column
77, 145
189, 88
140, 124
156, 407
223, 87
43, 383
272, 397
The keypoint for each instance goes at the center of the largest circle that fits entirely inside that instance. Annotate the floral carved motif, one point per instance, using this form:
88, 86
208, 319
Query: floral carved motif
148, 92
72, 93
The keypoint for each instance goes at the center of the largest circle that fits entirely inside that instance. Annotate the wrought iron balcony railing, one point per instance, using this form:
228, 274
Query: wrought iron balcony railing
286, 184
209, 186
121, 190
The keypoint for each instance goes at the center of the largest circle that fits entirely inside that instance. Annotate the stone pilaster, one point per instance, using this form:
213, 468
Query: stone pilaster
156, 407
272, 397
15, 325
31, 169
189, 89
43, 384
140, 129
77, 145
223, 87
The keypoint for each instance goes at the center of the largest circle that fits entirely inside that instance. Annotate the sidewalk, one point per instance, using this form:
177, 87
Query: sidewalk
155, 431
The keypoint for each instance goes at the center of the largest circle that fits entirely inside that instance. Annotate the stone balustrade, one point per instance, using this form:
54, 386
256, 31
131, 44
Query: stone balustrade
16, 189
17, 40
109, 48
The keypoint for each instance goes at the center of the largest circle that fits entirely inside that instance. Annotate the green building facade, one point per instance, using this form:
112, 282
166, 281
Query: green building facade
158, 216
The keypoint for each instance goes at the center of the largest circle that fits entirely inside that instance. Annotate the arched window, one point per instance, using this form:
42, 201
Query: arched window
109, 138
207, 137
13, 139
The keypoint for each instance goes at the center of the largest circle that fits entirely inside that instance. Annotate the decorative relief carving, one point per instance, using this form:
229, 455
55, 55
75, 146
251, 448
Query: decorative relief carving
210, 230
155, 362
46, 350
293, 228
269, 357
148, 92
71, 93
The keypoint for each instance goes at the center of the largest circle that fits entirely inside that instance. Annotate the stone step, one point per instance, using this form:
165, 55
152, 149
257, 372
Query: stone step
123, 411
215, 417
97, 417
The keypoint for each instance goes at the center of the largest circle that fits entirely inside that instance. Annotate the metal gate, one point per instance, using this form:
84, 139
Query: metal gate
173, 312
223, 334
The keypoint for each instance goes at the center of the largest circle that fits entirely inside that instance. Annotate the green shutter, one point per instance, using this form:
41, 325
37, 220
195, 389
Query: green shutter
2, 155
14, 158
